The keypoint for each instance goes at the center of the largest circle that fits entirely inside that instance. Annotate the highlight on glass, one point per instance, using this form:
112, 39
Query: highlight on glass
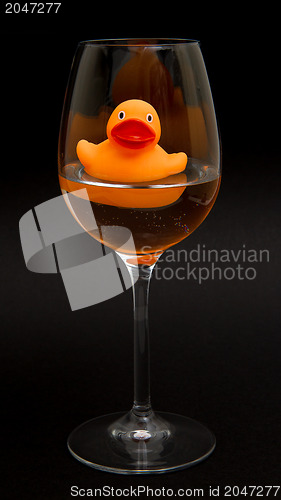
139, 141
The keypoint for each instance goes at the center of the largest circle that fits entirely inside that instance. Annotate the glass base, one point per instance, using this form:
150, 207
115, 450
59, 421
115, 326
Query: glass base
129, 444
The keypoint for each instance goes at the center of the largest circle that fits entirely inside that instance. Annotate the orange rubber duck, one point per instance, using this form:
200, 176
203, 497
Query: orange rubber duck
131, 152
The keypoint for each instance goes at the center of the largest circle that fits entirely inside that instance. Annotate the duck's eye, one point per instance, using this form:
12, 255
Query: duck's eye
121, 115
149, 117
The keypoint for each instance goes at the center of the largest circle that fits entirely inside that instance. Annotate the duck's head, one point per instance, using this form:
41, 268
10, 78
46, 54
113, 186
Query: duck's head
134, 125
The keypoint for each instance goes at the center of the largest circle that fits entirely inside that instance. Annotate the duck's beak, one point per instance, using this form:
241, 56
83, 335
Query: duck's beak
133, 133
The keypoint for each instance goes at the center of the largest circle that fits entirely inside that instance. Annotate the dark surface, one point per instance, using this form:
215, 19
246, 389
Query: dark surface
216, 347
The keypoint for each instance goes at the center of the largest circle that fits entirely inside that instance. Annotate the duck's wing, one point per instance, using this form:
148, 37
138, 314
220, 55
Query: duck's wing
86, 152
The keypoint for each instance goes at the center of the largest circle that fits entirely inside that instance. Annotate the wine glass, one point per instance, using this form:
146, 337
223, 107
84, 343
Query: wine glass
139, 143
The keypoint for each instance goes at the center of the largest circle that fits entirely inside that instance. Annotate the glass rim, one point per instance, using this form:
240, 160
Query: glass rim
139, 42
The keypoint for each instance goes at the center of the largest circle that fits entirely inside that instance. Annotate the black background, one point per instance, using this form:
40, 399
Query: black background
216, 347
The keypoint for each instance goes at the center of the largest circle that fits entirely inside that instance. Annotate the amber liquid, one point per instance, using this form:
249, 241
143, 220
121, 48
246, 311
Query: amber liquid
153, 228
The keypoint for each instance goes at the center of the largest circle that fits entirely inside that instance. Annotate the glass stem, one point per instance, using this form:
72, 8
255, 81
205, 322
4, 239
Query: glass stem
141, 276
